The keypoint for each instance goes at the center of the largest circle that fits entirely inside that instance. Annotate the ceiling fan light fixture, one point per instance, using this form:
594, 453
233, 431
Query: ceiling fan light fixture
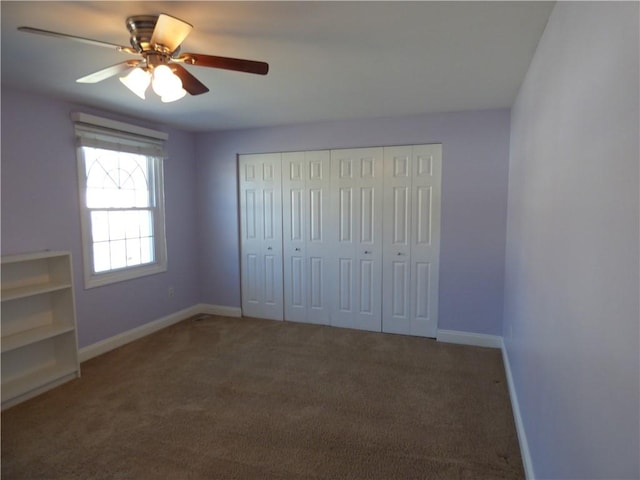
137, 81
165, 83
172, 97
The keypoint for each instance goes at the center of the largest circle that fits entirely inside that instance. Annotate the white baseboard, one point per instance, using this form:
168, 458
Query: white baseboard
103, 346
468, 338
522, 437
221, 310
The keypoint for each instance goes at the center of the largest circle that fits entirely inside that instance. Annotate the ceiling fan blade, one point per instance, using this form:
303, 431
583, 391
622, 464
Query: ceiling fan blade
226, 63
170, 32
190, 83
109, 72
88, 41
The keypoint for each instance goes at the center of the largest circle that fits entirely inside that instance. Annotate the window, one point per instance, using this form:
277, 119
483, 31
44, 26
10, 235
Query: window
121, 199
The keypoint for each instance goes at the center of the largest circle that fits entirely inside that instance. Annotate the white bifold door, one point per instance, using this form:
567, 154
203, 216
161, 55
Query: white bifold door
306, 214
261, 235
411, 239
357, 214
348, 237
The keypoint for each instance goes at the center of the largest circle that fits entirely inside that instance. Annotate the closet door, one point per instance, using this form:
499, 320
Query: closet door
425, 239
396, 269
319, 236
294, 206
261, 235
411, 239
357, 211
306, 223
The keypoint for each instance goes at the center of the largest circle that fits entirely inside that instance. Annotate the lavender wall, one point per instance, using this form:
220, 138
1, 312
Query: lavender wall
40, 210
474, 190
571, 298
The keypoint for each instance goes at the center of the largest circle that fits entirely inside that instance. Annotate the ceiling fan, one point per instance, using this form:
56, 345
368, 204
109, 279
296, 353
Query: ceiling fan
157, 39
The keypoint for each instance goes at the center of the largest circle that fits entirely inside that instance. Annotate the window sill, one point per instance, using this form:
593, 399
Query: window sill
107, 278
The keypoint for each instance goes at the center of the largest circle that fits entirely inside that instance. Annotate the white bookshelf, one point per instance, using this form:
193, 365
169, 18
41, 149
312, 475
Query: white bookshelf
38, 325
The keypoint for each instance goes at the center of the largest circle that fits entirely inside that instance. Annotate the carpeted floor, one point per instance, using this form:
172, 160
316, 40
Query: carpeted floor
223, 398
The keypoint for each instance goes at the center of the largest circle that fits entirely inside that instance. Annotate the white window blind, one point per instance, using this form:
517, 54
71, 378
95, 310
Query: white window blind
100, 137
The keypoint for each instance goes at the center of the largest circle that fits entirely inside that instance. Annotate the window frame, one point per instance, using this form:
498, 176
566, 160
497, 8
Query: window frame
106, 127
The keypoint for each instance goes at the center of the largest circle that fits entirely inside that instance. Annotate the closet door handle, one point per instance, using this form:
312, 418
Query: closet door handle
400, 254
368, 252
297, 249
269, 248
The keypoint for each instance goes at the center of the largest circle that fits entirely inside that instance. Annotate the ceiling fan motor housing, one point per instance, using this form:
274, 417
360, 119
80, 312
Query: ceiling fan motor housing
141, 29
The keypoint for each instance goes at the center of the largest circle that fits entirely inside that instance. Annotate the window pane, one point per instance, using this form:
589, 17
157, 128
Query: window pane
141, 198
131, 221
145, 222
122, 238
101, 257
116, 179
146, 250
133, 252
118, 254
117, 223
100, 226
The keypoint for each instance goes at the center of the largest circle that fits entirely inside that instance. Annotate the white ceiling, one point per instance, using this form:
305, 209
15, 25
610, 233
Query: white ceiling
328, 60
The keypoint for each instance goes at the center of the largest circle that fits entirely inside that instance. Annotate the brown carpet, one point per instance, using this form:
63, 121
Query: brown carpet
244, 398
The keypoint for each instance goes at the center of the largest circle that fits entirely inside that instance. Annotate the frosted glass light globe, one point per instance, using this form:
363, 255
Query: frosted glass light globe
137, 81
165, 83
177, 95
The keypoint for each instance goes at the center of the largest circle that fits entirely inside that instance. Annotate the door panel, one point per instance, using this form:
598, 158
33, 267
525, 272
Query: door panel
421, 298
400, 289
268, 215
345, 285
251, 290
367, 282
345, 214
295, 215
367, 220
297, 282
250, 215
315, 214
271, 290
423, 216
400, 212
317, 280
